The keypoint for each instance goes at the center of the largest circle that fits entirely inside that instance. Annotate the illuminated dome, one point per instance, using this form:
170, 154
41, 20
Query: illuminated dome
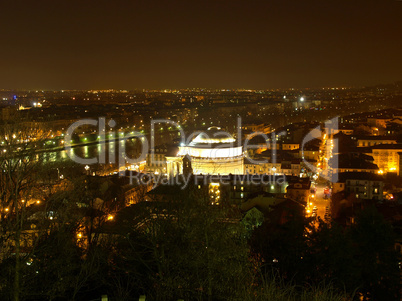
214, 135
214, 151
212, 143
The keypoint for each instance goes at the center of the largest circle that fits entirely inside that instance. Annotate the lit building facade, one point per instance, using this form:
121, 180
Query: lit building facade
289, 168
362, 185
386, 157
374, 140
211, 152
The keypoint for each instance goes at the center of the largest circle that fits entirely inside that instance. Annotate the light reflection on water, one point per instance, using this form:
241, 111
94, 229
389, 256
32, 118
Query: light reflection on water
133, 147
93, 150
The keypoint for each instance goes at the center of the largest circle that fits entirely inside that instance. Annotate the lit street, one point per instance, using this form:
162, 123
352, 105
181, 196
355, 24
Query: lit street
320, 201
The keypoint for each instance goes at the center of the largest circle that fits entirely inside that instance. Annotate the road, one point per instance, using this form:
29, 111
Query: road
319, 200
326, 153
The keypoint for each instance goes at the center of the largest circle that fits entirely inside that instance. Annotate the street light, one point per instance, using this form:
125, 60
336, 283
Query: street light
87, 169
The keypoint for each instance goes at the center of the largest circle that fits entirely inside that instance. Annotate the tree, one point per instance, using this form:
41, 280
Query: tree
283, 247
373, 239
200, 249
130, 266
360, 258
330, 257
20, 188
252, 220
60, 269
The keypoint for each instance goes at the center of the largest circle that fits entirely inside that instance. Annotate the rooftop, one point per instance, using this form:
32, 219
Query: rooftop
386, 138
344, 176
387, 146
213, 135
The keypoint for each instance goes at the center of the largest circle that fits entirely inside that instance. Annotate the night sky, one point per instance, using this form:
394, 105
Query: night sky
213, 44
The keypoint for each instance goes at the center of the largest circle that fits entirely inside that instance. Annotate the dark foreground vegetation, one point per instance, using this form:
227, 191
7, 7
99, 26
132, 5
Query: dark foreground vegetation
187, 249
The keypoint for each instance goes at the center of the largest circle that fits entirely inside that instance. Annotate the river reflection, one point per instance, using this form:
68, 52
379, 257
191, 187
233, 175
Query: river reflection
110, 150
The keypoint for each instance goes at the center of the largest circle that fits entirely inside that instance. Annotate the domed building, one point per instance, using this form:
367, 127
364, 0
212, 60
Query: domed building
213, 151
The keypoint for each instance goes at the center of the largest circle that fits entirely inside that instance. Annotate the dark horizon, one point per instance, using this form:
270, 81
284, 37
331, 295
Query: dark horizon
262, 45
217, 89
